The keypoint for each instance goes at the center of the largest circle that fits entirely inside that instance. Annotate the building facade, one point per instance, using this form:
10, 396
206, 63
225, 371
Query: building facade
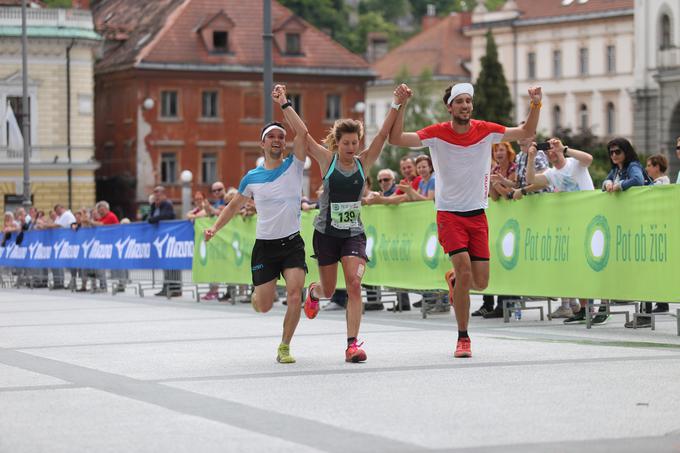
657, 78
179, 87
440, 48
61, 47
580, 52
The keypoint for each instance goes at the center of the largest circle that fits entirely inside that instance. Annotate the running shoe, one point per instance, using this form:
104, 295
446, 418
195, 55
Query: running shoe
562, 312
463, 348
641, 322
578, 318
600, 319
209, 296
311, 303
283, 354
354, 353
450, 278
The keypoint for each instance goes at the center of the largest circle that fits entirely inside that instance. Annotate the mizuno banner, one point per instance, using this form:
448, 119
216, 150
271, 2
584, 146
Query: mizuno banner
167, 245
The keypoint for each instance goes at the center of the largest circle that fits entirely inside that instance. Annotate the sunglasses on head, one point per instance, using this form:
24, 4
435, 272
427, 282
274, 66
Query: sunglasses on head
384, 180
615, 151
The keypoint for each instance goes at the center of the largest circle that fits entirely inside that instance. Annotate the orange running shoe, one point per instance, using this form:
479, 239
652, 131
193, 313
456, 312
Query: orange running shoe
450, 278
311, 303
354, 353
463, 348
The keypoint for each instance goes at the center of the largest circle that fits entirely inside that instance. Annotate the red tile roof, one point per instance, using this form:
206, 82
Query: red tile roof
533, 9
442, 48
164, 32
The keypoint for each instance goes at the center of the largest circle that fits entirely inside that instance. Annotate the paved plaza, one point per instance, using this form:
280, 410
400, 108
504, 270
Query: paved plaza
99, 373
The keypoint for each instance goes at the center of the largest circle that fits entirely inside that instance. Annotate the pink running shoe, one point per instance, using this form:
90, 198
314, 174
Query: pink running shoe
354, 353
210, 296
311, 303
463, 348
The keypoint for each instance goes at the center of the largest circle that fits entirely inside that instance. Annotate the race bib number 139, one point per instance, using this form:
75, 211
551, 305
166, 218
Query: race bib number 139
345, 215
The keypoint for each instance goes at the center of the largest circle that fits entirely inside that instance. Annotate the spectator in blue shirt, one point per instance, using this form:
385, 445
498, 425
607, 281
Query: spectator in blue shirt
626, 169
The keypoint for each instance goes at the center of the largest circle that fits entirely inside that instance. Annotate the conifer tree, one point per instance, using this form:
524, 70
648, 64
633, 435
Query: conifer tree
492, 101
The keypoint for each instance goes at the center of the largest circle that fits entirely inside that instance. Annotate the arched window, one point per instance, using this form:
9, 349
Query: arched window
583, 118
557, 118
666, 33
611, 118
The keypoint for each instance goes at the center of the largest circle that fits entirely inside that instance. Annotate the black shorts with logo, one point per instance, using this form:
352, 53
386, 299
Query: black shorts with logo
272, 256
330, 249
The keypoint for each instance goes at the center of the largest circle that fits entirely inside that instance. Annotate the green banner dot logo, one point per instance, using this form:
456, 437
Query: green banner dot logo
430, 249
597, 242
203, 252
371, 246
236, 245
507, 245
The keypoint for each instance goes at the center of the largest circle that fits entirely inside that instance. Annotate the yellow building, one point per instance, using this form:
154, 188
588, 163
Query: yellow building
61, 48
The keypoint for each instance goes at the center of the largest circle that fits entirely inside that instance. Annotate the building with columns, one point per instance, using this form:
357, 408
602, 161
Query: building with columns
657, 78
61, 48
580, 51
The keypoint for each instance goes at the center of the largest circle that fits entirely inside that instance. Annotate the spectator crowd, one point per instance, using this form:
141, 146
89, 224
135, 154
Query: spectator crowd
537, 168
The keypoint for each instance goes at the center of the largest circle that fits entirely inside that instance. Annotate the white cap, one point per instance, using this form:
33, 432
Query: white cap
460, 88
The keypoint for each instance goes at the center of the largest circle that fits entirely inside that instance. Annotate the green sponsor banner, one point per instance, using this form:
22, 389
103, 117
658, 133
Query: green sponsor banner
587, 244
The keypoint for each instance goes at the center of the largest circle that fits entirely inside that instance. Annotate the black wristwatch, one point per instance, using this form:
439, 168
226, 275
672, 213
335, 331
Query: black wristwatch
566, 148
523, 190
286, 105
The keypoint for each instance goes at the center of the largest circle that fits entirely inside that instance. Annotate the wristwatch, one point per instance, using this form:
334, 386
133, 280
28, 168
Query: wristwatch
395, 106
523, 190
564, 151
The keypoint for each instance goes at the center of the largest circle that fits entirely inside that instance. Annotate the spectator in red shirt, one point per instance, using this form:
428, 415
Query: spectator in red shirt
106, 217
408, 170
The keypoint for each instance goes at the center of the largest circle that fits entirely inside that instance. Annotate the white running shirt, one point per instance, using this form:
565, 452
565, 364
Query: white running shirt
462, 163
573, 177
278, 195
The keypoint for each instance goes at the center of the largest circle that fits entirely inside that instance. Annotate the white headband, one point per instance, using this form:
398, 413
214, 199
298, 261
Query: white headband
271, 128
461, 88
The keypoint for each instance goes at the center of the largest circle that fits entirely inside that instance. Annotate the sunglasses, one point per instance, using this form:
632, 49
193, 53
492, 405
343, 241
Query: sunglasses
615, 151
217, 190
384, 180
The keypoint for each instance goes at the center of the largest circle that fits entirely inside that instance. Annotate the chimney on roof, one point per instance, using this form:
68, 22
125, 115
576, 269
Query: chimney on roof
430, 18
377, 46
80, 4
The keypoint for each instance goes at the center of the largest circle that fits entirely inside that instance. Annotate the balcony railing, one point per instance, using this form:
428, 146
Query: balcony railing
72, 18
47, 154
669, 58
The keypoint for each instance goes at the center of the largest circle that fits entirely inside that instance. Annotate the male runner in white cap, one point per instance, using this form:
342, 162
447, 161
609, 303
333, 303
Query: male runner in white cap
461, 154
279, 248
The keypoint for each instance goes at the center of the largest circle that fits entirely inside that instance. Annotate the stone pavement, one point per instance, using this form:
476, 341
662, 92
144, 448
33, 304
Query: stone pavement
111, 374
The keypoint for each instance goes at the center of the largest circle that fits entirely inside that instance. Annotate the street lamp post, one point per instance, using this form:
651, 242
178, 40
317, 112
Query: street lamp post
24, 108
268, 77
186, 177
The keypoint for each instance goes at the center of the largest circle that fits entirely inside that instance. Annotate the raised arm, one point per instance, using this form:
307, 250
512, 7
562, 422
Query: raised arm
279, 96
371, 154
397, 135
226, 215
582, 157
528, 129
539, 180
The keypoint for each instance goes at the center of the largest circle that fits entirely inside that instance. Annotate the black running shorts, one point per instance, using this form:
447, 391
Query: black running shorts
330, 249
272, 256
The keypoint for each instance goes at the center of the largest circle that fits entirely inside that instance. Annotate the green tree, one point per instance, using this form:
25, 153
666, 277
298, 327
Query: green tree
390, 10
424, 108
492, 96
356, 40
331, 16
